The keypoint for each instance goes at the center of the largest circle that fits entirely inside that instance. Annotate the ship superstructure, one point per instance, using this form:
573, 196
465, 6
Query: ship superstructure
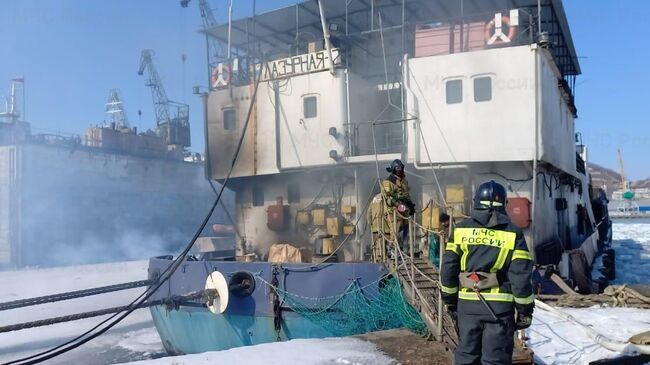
460, 93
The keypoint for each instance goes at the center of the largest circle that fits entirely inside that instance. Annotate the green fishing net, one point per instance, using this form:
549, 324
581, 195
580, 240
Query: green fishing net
374, 307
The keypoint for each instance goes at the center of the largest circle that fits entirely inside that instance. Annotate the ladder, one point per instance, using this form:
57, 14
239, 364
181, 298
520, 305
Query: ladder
419, 280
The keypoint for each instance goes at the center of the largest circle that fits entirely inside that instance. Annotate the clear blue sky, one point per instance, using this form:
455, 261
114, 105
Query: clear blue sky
71, 52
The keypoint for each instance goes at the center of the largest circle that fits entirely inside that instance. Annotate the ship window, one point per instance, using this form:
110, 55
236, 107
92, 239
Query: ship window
229, 119
293, 193
310, 106
258, 196
454, 91
483, 89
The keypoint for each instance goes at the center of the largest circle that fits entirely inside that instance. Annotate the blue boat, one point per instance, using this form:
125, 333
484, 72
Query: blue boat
265, 314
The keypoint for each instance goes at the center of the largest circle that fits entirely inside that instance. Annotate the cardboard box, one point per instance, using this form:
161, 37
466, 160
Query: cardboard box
318, 216
328, 246
348, 229
455, 194
302, 217
431, 218
348, 209
333, 226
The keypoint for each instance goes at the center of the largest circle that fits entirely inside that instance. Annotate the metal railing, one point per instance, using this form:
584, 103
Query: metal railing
389, 137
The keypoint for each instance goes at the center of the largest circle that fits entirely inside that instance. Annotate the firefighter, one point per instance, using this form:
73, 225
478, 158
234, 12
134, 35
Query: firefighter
397, 196
486, 280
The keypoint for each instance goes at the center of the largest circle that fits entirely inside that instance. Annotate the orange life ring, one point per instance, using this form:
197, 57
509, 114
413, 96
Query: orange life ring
225, 76
489, 29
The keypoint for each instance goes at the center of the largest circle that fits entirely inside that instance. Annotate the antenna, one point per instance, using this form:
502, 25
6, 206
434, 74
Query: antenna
115, 110
11, 113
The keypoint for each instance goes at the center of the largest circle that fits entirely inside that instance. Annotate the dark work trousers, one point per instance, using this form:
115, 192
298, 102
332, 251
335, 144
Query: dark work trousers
484, 340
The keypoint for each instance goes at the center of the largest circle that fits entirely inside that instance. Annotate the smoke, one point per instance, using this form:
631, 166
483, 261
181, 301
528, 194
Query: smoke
130, 244
84, 206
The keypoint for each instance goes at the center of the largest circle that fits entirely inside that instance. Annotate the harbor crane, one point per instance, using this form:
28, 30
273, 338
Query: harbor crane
208, 19
172, 118
629, 206
237, 66
625, 185
115, 110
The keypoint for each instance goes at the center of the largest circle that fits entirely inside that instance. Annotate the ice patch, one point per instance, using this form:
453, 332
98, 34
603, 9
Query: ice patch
144, 341
631, 242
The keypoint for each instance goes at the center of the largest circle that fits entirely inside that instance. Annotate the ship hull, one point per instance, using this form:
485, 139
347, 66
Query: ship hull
194, 331
250, 320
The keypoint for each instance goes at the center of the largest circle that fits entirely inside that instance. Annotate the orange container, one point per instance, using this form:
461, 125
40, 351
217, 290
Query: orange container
277, 216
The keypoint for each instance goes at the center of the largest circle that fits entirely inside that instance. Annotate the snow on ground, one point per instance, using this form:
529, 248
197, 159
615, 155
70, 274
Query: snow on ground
347, 351
29, 283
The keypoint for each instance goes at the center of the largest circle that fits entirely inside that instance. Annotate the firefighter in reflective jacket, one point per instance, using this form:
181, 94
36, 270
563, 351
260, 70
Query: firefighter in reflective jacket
486, 280
397, 196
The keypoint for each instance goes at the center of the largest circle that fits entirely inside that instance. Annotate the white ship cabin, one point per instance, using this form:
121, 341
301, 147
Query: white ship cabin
461, 91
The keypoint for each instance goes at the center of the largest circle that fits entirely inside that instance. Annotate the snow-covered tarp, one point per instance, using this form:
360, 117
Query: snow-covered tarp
554, 340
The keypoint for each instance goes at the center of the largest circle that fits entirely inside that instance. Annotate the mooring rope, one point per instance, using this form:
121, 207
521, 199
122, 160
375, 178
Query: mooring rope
172, 302
72, 295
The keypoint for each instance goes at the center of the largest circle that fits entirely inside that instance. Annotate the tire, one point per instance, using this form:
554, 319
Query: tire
580, 272
609, 263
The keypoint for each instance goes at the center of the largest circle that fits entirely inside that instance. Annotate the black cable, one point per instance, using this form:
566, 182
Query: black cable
548, 185
80, 340
507, 178
173, 301
71, 295
225, 210
76, 338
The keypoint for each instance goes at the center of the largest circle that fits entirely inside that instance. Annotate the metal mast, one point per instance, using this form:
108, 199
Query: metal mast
115, 110
172, 118
11, 113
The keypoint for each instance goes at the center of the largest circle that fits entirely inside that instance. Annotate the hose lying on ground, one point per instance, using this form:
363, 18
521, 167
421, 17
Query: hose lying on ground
624, 348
